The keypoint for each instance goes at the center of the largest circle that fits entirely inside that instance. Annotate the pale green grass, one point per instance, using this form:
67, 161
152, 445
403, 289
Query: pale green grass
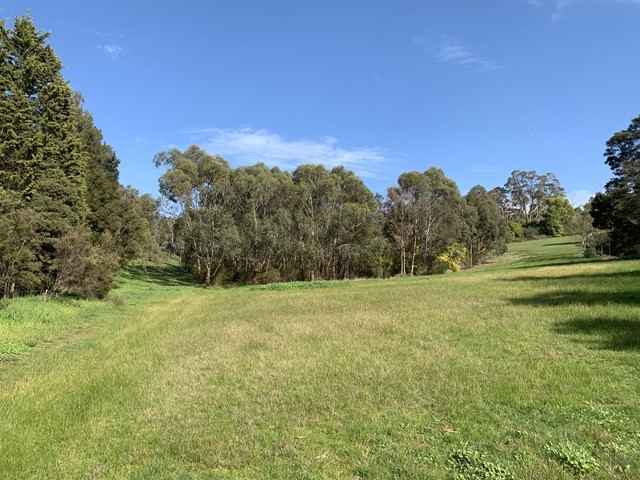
521, 369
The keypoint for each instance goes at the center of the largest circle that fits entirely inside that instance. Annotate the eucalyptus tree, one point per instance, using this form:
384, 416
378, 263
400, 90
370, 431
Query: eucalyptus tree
436, 215
261, 201
526, 193
399, 223
352, 224
200, 184
487, 228
314, 196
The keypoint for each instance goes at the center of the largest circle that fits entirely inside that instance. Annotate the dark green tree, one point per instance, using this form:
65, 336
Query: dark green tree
618, 208
18, 246
41, 155
487, 228
556, 216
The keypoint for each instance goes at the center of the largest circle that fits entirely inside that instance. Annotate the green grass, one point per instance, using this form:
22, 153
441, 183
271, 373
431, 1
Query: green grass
526, 368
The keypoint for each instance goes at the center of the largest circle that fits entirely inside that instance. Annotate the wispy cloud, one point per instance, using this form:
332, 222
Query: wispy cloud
106, 34
560, 6
248, 146
448, 49
113, 51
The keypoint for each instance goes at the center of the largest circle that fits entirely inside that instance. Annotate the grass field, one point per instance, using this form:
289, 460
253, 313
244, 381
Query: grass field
528, 368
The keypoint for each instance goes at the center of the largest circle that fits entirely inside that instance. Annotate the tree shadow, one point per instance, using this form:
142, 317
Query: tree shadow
167, 274
580, 297
590, 277
603, 333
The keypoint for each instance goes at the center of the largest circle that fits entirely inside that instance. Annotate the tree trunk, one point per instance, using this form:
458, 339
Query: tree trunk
413, 255
334, 259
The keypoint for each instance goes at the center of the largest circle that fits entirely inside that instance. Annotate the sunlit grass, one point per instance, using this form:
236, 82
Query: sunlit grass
523, 368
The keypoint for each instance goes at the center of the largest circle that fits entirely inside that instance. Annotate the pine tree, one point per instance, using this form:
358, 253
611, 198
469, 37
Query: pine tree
41, 156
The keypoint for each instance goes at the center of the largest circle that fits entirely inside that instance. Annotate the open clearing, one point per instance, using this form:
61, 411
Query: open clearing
526, 368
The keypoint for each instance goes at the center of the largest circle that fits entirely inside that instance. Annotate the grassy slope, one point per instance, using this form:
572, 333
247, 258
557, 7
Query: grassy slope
528, 365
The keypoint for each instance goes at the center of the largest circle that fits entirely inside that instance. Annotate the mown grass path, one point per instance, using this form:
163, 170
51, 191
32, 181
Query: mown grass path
527, 368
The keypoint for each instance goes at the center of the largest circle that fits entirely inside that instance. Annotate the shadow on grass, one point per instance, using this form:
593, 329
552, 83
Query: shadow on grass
580, 297
590, 277
168, 275
603, 333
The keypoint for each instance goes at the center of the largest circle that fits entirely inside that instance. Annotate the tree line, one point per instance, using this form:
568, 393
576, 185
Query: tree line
66, 223
257, 224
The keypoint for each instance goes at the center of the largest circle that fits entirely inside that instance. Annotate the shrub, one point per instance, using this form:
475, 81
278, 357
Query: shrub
450, 260
270, 276
514, 231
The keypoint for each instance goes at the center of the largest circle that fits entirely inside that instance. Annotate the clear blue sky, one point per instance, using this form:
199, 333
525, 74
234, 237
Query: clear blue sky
477, 88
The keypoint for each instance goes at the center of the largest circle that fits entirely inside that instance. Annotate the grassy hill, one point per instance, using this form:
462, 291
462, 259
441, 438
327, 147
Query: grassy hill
526, 368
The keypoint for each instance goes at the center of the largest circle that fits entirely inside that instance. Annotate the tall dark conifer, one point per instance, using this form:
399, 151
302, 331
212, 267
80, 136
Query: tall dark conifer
41, 156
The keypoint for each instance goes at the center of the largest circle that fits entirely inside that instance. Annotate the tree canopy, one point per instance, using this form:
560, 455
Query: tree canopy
60, 199
618, 208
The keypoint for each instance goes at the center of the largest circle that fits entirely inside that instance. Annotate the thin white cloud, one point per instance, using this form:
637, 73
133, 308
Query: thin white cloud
106, 34
535, 3
248, 146
447, 49
113, 51
561, 6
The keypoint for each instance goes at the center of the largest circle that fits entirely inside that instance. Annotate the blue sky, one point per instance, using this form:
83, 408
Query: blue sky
477, 88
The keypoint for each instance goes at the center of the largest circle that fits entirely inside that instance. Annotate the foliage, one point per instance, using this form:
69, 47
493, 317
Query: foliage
18, 246
473, 465
487, 229
58, 177
575, 457
450, 260
557, 214
525, 194
514, 231
425, 215
81, 267
618, 208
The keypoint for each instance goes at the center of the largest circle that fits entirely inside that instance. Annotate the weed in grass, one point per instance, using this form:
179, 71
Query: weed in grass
11, 350
575, 457
286, 286
473, 465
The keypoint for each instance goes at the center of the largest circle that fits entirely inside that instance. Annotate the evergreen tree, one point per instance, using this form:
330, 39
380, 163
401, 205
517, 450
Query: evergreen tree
618, 208
41, 156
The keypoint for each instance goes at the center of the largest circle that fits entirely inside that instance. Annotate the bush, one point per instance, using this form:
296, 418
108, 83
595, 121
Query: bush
83, 268
450, 260
530, 232
514, 231
270, 276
